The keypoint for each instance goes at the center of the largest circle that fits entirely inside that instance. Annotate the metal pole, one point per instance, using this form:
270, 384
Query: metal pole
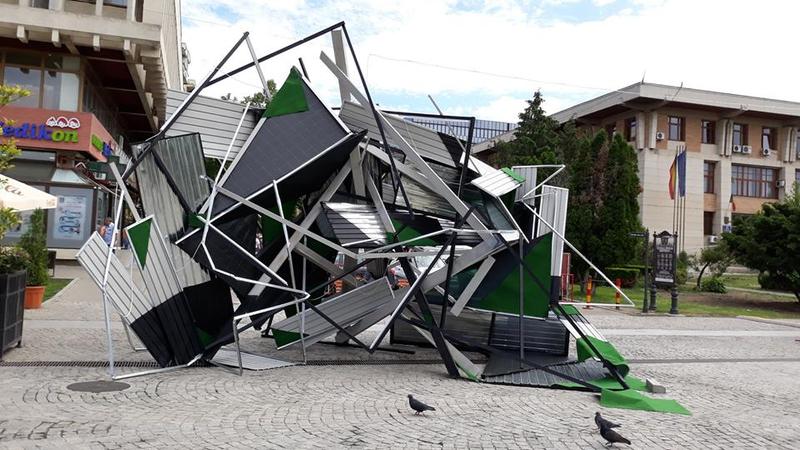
646, 267
674, 291
652, 306
521, 309
106, 314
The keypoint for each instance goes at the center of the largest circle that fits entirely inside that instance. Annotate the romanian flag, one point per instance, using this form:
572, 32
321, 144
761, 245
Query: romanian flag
673, 178
677, 176
733, 204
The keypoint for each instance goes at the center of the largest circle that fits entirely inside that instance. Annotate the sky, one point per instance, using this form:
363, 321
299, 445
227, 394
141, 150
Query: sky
485, 58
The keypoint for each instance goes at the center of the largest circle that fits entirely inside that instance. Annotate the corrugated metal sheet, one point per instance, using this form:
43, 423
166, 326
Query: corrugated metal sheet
126, 298
553, 208
425, 141
344, 309
351, 223
214, 119
529, 173
496, 183
159, 201
586, 371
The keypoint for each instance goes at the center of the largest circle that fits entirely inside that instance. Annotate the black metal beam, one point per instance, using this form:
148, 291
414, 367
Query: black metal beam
308, 38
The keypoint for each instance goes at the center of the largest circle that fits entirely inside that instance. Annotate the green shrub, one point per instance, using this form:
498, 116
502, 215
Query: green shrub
713, 284
628, 275
35, 244
13, 259
682, 269
772, 282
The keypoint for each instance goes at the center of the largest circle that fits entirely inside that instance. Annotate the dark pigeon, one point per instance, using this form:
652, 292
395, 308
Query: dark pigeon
600, 421
418, 406
612, 437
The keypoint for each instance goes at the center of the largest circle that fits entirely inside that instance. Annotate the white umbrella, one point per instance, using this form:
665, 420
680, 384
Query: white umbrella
21, 197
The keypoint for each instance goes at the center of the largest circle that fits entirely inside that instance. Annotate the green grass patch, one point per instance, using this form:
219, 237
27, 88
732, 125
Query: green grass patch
54, 286
693, 303
741, 281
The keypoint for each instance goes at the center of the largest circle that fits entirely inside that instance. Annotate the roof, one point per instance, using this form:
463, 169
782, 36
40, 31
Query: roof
651, 95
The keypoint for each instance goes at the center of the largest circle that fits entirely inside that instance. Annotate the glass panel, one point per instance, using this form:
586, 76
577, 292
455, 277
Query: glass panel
24, 59
63, 62
25, 78
765, 141
61, 91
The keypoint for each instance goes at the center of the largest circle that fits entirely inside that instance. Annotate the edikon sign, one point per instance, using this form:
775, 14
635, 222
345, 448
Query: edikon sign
55, 129
48, 129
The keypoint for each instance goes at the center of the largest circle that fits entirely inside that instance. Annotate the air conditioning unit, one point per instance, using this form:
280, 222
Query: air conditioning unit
747, 149
780, 183
713, 239
660, 136
737, 149
764, 152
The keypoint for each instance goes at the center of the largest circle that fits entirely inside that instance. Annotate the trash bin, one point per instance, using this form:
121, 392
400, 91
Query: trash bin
12, 308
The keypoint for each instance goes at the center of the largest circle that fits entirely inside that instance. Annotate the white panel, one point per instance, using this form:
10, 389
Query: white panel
529, 173
496, 183
553, 209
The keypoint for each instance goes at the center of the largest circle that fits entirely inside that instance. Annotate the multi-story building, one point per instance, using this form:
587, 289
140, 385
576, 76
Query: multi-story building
741, 151
98, 72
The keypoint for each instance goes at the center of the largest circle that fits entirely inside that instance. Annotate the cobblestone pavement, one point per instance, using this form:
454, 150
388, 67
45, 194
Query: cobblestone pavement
754, 403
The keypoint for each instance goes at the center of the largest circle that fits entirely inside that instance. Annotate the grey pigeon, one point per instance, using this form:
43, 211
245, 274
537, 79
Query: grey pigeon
600, 421
418, 406
612, 436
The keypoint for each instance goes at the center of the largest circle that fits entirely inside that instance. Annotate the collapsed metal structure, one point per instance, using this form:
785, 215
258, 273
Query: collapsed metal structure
481, 247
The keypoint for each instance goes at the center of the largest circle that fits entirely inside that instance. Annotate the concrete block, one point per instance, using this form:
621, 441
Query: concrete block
655, 387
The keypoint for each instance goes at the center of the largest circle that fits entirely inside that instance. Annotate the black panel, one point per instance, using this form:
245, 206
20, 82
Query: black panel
281, 145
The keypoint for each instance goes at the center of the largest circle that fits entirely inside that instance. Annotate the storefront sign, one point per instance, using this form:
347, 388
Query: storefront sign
54, 130
105, 148
47, 129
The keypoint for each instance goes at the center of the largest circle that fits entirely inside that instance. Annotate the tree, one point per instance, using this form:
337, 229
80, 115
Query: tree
769, 242
34, 242
8, 150
603, 207
717, 258
536, 140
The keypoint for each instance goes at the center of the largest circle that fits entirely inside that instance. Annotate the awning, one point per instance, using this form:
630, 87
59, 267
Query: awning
21, 197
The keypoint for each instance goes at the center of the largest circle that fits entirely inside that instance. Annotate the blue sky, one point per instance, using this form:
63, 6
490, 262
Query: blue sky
485, 58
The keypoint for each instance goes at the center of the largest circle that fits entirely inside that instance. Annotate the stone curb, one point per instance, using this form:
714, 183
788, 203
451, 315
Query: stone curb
770, 321
63, 290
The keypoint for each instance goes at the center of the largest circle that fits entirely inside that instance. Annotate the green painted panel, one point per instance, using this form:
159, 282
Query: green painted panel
285, 337
536, 302
517, 177
630, 399
407, 232
139, 235
290, 98
606, 350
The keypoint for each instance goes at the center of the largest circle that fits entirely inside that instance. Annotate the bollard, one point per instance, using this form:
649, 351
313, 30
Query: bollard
618, 283
588, 292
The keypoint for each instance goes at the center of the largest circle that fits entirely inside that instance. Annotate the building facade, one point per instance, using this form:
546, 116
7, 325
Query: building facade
741, 151
98, 73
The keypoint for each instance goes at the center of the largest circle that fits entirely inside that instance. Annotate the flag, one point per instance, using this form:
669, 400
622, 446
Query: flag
673, 177
682, 173
733, 204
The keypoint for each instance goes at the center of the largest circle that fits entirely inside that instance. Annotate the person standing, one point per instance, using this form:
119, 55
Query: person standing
107, 230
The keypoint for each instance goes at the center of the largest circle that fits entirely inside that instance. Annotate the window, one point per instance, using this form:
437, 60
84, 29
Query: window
739, 134
708, 222
708, 176
708, 132
675, 128
630, 129
797, 178
53, 79
768, 136
797, 145
26, 78
750, 181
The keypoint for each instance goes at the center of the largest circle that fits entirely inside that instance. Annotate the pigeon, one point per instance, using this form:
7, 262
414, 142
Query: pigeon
600, 421
612, 436
418, 406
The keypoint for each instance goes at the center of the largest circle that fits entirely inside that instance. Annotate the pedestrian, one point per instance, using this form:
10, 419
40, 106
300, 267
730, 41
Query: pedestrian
107, 231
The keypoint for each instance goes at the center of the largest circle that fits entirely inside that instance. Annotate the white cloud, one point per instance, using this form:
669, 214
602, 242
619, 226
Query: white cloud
603, 2
740, 47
